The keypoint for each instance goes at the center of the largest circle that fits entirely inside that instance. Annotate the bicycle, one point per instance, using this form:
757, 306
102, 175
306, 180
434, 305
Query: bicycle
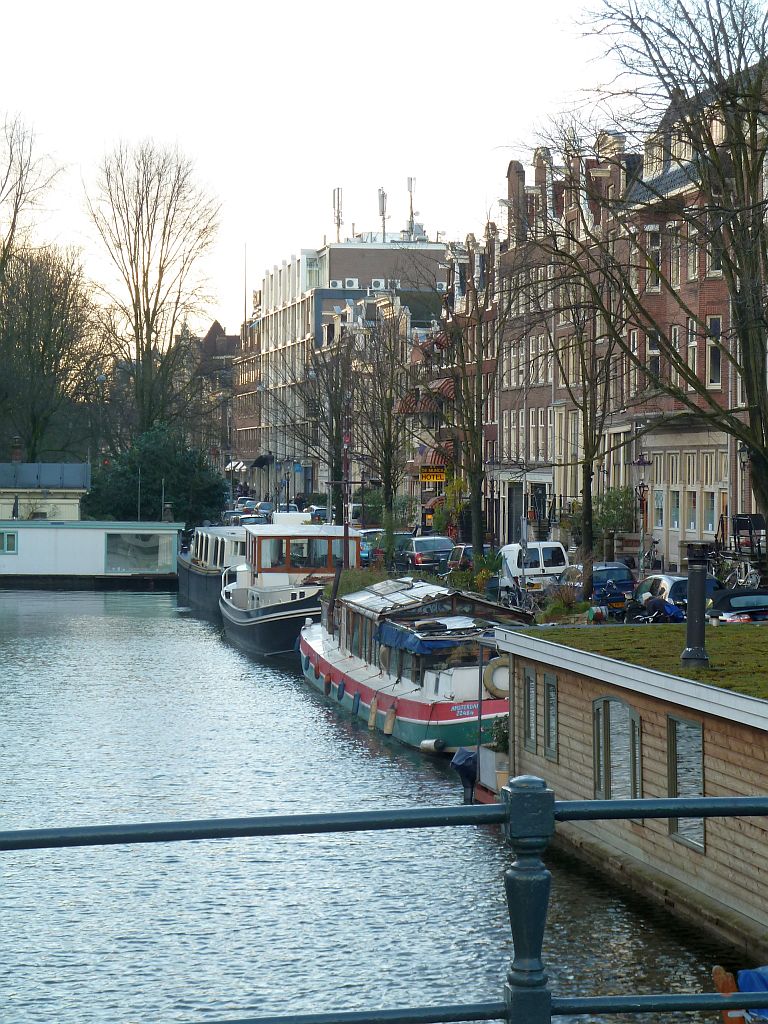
648, 559
743, 576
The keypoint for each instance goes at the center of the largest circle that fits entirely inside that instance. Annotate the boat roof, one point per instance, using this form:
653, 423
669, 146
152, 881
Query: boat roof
229, 532
428, 636
390, 595
300, 530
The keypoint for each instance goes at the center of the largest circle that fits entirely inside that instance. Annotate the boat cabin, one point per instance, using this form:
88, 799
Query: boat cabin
420, 633
314, 549
217, 547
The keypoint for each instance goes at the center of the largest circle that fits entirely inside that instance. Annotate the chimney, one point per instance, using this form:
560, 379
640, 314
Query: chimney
17, 449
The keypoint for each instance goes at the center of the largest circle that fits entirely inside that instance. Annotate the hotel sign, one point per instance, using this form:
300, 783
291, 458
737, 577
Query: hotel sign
432, 476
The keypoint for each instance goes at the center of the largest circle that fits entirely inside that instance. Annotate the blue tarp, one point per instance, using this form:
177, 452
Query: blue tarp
754, 981
401, 639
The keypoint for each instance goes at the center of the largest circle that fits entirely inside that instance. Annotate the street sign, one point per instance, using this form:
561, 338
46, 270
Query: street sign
432, 476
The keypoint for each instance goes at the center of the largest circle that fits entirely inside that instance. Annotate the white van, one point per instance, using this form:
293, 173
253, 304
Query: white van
539, 562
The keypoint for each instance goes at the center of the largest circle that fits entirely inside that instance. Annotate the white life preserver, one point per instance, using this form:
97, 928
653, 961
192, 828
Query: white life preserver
502, 662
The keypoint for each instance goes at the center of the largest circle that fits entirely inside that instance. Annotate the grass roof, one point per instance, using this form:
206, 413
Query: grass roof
738, 654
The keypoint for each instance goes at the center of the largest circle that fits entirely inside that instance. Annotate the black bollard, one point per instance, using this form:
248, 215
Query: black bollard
531, 825
695, 654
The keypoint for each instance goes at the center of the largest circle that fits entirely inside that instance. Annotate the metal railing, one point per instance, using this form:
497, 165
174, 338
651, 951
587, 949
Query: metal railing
528, 815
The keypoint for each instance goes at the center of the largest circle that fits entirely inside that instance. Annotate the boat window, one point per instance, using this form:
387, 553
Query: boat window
530, 728
317, 553
406, 668
8, 543
355, 644
139, 552
617, 764
272, 550
685, 743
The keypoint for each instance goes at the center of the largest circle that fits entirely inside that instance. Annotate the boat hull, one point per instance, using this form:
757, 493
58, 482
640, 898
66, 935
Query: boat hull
271, 630
440, 725
199, 589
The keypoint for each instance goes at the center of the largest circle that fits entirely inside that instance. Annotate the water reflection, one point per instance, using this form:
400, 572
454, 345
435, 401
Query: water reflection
118, 708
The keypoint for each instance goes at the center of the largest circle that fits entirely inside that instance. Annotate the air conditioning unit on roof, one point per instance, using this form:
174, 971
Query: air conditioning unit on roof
336, 284
378, 284
351, 282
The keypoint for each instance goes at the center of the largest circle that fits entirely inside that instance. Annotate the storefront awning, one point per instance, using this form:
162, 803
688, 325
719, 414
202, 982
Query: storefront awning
235, 467
261, 461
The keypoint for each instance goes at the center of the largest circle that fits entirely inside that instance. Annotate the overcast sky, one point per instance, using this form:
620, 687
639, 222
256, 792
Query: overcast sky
279, 103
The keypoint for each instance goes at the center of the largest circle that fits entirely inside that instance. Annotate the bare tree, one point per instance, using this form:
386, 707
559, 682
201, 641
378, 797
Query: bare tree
157, 224
50, 351
457, 377
24, 177
692, 99
380, 435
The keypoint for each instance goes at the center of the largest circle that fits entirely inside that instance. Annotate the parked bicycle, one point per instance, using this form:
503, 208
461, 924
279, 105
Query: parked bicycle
743, 575
512, 595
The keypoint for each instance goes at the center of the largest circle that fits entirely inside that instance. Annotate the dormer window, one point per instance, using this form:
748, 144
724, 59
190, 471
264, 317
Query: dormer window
654, 158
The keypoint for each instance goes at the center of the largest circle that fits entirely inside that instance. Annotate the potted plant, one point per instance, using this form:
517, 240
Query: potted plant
493, 757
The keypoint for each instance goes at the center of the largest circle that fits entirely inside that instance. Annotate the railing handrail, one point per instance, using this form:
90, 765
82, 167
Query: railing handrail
529, 813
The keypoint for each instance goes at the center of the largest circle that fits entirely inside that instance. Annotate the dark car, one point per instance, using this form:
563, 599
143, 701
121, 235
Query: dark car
462, 558
426, 554
739, 606
612, 584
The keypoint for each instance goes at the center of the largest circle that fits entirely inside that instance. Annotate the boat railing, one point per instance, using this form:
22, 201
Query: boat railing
528, 815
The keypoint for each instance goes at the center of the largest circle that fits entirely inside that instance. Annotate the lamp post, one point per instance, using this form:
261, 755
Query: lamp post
744, 457
641, 492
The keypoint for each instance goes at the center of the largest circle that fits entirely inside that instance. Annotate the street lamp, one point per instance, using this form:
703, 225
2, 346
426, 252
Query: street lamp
744, 457
641, 491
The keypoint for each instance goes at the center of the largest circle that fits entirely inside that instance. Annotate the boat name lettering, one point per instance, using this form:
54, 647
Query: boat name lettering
464, 709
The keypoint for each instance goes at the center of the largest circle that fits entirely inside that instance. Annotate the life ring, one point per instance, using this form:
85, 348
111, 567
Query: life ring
384, 659
490, 670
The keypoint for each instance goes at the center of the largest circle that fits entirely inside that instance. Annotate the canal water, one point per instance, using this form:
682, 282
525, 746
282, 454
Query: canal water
120, 708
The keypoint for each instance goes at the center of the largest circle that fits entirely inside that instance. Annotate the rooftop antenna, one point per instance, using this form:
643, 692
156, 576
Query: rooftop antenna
411, 226
337, 212
383, 213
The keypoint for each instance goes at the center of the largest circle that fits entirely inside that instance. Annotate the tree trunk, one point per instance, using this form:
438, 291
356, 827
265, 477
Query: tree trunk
476, 510
587, 529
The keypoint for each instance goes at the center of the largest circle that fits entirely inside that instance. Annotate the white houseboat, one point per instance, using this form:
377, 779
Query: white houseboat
265, 601
88, 555
212, 550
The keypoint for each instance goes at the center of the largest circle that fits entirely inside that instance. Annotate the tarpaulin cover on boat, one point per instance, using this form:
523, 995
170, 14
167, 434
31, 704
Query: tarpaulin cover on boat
390, 636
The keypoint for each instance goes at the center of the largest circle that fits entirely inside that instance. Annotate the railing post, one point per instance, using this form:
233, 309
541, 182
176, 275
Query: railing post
529, 827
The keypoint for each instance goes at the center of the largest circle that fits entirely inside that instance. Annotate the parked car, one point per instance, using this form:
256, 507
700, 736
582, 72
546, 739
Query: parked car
318, 514
539, 562
241, 501
371, 545
462, 558
423, 553
739, 606
257, 519
265, 506
288, 508
671, 588
612, 584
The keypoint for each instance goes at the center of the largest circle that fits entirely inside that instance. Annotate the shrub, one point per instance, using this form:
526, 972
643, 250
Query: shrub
500, 734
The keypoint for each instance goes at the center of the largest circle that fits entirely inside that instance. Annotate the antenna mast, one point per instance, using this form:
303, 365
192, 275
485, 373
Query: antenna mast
411, 226
337, 212
383, 213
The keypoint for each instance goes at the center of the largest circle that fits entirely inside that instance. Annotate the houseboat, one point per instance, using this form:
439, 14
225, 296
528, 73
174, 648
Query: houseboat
266, 599
596, 727
212, 550
88, 555
404, 654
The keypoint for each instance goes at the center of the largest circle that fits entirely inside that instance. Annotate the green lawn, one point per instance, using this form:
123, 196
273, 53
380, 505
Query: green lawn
738, 654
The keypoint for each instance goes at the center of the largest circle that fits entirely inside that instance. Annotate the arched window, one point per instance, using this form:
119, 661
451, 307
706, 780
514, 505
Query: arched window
616, 746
